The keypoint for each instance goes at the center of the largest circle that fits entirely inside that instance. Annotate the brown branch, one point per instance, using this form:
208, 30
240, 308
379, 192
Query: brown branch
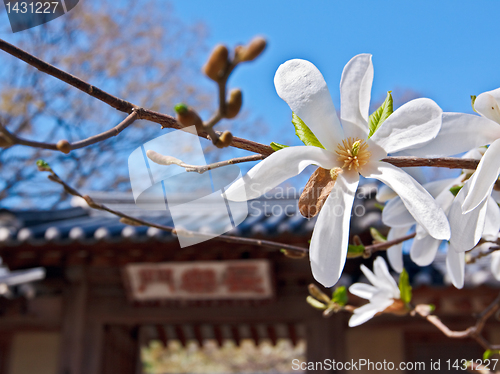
16, 140
167, 121
473, 332
370, 249
441, 162
140, 222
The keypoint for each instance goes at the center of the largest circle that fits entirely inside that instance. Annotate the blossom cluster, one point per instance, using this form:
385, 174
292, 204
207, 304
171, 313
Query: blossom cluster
457, 211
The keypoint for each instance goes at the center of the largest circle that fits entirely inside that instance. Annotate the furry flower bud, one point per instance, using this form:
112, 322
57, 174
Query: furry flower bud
216, 62
63, 146
234, 103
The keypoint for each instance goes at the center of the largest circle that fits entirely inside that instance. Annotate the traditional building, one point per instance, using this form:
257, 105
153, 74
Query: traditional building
111, 289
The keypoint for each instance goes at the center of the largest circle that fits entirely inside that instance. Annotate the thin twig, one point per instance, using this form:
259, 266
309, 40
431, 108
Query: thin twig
473, 332
224, 238
16, 140
370, 249
441, 162
167, 160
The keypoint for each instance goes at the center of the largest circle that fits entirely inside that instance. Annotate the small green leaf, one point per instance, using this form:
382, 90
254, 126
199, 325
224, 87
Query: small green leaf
354, 250
42, 164
381, 114
455, 190
404, 286
379, 206
377, 235
181, 108
315, 303
340, 296
472, 101
489, 353
276, 146
304, 133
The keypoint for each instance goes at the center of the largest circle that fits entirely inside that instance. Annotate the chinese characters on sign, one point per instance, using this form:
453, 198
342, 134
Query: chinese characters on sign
204, 280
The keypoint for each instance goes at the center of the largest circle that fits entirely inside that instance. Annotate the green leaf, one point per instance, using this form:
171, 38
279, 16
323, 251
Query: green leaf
315, 303
381, 114
340, 295
377, 235
404, 286
379, 206
181, 108
277, 146
354, 250
455, 190
472, 101
489, 353
304, 133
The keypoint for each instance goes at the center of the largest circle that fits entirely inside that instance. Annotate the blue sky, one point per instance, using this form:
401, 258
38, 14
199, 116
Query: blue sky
445, 50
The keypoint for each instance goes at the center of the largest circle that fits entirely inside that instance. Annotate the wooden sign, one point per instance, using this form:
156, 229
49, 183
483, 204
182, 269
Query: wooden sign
202, 280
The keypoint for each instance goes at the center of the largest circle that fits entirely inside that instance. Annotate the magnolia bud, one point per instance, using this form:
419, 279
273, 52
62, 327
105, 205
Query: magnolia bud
63, 146
224, 140
254, 49
4, 142
234, 104
217, 62
293, 254
318, 294
187, 116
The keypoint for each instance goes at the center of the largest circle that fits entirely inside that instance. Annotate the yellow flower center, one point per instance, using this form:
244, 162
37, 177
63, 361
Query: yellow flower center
353, 153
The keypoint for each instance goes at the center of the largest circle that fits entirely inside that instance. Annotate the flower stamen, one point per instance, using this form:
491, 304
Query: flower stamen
353, 153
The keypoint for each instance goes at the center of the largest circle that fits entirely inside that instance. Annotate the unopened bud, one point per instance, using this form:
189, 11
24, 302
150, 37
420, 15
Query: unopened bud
234, 103
315, 303
253, 50
43, 166
4, 141
224, 140
293, 254
318, 294
216, 63
63, 146
187, 116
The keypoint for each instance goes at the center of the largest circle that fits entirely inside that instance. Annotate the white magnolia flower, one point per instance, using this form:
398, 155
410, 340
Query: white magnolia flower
461, 132
348, 152
466, 229
382, 293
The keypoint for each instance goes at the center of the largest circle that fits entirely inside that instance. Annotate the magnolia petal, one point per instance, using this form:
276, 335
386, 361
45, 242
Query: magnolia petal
466, 229
367, 312
277, 168
300, 84
482, 181
395, 253
382, 273
459, 133
492, 219
385, 193
415, 123
495, 265
487, 104
417, 200
330, 237
423, 250
355, 93
395, 214
455, 266
362, 290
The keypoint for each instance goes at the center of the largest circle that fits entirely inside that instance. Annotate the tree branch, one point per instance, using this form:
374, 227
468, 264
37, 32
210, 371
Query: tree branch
14, 139
167, 121
140, 222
